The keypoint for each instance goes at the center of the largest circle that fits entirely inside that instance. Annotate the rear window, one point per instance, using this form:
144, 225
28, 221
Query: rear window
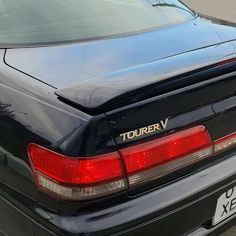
55, 21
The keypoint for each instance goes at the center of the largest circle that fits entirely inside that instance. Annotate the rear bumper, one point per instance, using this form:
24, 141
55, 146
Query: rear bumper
185, 207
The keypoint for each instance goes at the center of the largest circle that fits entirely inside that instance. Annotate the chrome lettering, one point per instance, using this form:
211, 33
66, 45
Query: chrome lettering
145, 130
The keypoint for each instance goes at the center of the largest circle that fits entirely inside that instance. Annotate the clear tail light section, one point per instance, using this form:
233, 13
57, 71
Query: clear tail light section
152, 160
225, 143
70, 178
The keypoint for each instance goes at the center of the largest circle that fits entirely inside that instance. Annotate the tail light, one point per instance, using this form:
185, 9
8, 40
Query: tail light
70, 178
162, 156
76, 178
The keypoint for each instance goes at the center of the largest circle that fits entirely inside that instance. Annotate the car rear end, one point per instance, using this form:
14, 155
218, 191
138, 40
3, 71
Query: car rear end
171, 170
142, 143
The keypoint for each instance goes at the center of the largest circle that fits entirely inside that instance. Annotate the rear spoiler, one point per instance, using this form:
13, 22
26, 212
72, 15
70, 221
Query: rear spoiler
136, 83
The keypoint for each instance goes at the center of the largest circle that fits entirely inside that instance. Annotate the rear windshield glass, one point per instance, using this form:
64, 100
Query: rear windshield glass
54, 21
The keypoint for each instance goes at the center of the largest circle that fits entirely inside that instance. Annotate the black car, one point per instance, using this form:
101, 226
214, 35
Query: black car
117, 117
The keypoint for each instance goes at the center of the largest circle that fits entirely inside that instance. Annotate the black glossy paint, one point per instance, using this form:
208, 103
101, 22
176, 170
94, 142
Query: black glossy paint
137, 80
97, 72
154, 212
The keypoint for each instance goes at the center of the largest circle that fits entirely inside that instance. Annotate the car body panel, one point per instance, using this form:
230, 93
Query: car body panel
103, 70
196, 104
137, 83
155, 211
31, 112
96, 58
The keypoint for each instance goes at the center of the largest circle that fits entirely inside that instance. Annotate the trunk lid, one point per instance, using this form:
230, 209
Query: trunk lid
101, 75
66, 65
138, 83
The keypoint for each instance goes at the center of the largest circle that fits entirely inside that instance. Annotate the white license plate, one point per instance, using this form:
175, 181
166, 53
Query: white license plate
226, 206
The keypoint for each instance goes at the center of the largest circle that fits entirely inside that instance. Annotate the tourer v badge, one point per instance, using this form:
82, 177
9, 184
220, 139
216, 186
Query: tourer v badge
145, 130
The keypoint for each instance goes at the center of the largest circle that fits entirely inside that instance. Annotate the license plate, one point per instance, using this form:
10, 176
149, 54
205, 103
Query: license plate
226, 206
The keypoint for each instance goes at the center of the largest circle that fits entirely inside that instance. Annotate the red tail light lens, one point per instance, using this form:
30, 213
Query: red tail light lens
70, 178
76, 178
157, 158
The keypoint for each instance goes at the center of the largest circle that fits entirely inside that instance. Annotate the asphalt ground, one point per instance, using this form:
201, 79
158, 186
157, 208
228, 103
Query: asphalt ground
223, 9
